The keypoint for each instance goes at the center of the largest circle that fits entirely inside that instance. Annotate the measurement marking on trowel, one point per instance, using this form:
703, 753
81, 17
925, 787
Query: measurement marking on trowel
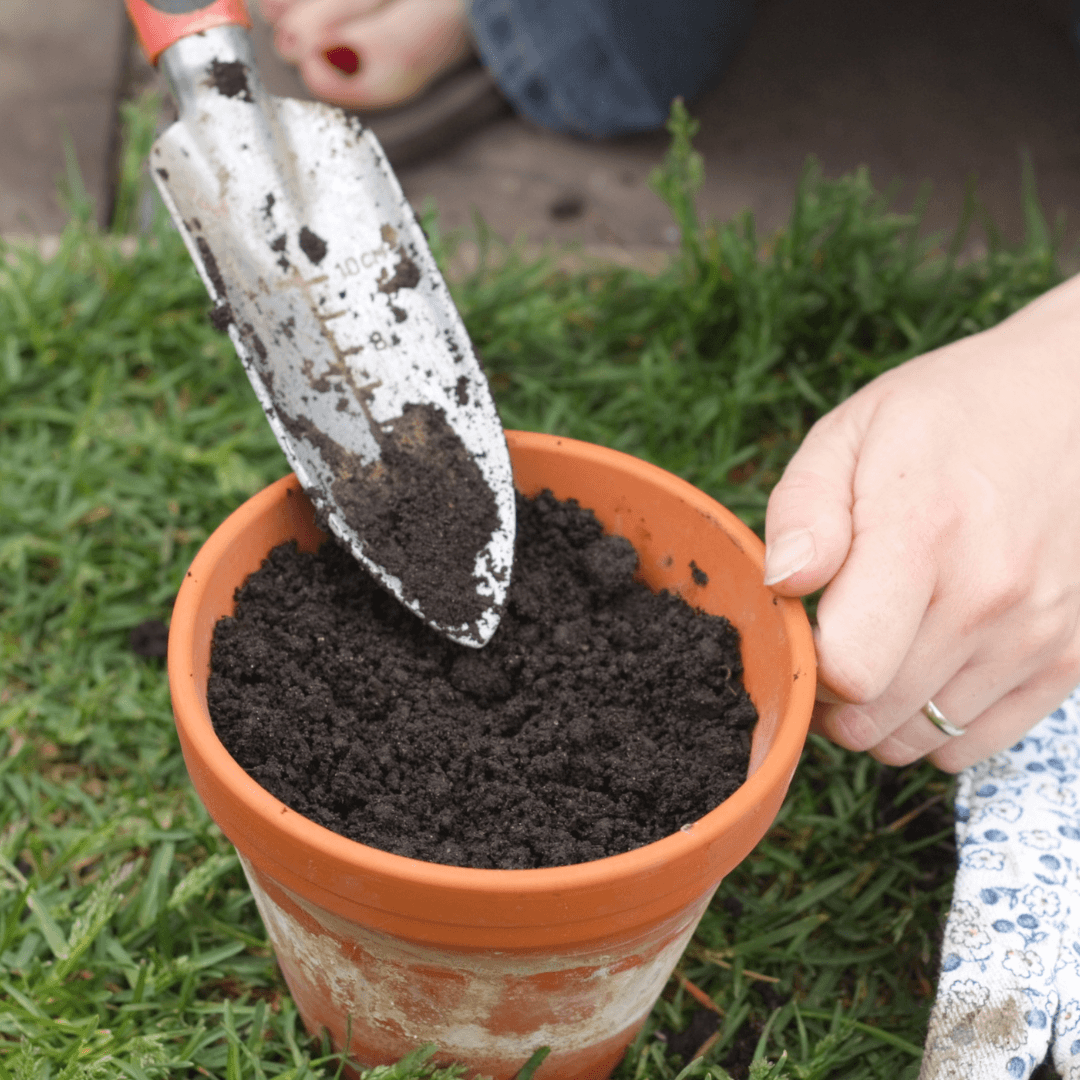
352, 266
268, 163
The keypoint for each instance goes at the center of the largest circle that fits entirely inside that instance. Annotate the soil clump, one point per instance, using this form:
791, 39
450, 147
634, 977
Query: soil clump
600, 717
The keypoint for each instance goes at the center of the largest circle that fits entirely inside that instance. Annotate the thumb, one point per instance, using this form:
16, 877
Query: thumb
808, 527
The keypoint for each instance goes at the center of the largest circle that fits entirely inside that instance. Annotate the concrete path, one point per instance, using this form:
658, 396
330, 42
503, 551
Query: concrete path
60, 66
921, 91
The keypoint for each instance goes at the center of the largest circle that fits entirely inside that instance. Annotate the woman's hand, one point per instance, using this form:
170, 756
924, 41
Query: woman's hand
940, 507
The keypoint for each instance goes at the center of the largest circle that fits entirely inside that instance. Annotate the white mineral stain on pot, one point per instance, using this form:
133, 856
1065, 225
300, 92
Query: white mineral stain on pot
477, 1006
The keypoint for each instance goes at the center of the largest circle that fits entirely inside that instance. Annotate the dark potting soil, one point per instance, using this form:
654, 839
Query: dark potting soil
149, 638
600, 717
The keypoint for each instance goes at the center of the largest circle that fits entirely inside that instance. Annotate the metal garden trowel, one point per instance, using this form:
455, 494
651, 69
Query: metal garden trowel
321, 274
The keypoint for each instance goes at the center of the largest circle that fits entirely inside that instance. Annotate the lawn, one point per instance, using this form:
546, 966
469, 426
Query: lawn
129, 945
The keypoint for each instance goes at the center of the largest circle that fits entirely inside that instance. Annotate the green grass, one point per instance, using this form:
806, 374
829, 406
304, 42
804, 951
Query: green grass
129, 945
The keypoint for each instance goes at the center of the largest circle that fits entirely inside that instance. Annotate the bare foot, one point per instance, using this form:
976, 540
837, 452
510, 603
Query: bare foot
369, 54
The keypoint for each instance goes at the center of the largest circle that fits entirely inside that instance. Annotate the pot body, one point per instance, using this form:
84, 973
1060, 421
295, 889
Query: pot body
389, 952
490, 1008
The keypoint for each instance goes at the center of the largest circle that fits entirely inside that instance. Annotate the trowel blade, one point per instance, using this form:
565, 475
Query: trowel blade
322, 275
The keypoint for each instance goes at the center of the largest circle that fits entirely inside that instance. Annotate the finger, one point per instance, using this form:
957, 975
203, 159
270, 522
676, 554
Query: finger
808, 525
1011, 717
358, 71
938, 665
400, 48
868, 620
1007, 717
308, 26
1033, 683
919, 737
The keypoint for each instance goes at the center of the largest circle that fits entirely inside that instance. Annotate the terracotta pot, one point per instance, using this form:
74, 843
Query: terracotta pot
491, 964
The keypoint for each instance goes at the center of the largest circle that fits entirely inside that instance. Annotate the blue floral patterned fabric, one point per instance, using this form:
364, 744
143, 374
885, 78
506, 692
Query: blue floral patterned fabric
1010, 974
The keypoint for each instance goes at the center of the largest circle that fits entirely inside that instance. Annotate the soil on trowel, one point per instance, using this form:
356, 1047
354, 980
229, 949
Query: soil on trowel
424, 509
600, 717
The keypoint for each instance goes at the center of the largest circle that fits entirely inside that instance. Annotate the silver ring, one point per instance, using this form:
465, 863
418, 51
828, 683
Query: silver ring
937, 718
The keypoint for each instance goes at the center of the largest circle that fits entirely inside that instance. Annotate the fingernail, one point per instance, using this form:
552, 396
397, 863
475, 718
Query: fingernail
788, 554
344, 59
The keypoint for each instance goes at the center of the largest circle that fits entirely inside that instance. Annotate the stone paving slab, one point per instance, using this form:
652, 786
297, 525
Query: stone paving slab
921, 91
60, 66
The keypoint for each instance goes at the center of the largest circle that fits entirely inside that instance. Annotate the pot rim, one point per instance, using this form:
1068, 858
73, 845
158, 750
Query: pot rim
775, 768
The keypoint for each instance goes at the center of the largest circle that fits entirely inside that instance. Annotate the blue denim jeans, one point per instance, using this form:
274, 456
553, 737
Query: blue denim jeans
602, 68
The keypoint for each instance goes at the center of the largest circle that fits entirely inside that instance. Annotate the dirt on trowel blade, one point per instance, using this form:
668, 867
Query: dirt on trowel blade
424, 509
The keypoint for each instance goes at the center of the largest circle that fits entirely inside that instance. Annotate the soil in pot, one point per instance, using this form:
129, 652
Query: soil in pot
599, 718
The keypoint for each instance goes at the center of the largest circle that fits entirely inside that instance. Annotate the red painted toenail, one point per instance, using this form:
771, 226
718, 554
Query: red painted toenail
344, 59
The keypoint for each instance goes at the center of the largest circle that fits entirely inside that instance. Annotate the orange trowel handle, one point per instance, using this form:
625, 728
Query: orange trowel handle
160, 23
